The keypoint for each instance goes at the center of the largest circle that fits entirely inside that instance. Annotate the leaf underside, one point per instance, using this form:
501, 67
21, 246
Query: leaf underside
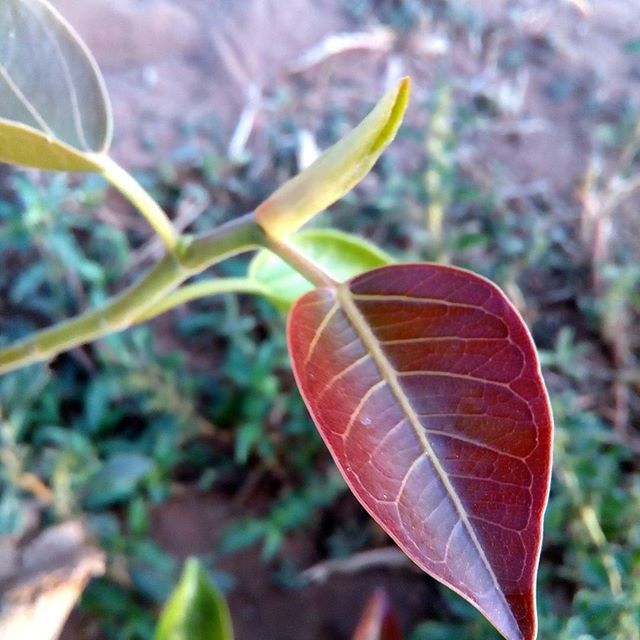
27, 147
50, 90
424, 383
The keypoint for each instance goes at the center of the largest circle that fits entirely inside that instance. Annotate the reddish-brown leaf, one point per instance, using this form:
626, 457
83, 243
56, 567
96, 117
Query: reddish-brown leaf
424, 383
378, 621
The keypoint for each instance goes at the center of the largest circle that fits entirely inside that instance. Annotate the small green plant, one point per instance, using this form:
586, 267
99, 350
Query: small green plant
422, 379
196, 610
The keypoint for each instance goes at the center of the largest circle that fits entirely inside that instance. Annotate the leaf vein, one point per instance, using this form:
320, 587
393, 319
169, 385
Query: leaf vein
377, 297
338, 376
390, 375
320, 330
33, 111
73, 96
474, 443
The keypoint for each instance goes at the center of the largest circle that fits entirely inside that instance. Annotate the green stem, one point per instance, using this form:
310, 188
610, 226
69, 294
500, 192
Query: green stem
154, 293
313, 272
201, 289
133, 191
126, 309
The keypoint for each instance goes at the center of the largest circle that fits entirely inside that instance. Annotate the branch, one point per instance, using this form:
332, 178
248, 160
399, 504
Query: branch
128, 307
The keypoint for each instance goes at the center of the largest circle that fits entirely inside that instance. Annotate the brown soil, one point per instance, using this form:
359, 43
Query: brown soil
189, 523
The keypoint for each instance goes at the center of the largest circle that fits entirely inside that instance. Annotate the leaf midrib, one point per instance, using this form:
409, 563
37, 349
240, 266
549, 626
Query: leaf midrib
389, 374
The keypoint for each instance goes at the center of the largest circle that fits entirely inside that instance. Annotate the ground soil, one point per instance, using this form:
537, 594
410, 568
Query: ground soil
189, 523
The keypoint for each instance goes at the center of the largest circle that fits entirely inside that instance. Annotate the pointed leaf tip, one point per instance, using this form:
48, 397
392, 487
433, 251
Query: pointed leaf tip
337, 170
195, 610
424, 383
396, 114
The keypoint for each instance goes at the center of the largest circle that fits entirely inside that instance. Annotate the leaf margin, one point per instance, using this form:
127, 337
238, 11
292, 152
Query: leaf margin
27, 142
550, 422
337, 170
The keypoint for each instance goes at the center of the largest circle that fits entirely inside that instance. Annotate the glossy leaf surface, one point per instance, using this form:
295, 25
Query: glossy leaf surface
195, 610
340, 254
378, 621
424, 383
53, 105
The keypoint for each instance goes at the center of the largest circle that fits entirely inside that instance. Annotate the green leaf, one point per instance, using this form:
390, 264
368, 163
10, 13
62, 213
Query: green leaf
27, 147
195, 610
54, 110
337, 170
117, 479
341, 255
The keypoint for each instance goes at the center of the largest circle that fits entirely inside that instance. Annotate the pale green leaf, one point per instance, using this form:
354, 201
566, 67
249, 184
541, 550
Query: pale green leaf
341, 255
117, 479
25, 146
337, 170
54, 110
195, 610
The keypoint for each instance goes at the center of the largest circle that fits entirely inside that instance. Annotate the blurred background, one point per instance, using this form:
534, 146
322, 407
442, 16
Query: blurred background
519, 159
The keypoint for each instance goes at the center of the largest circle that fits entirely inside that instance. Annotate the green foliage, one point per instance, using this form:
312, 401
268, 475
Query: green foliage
195, 609
54, 107
567, 356
462, 619
337, 170
289, 513
120, 615
340, 254
117, 479
108, 429
593, 517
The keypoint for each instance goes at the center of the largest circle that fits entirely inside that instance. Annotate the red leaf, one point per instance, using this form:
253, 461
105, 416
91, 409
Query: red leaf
424, 383
378, 621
